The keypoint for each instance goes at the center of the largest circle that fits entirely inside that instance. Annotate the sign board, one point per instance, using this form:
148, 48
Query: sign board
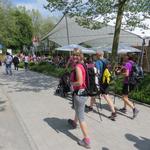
9, 51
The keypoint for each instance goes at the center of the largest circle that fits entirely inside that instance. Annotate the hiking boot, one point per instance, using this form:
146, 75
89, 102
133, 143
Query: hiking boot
113, 116
72, 123
84, 143
86, 106
123, 110
89, 108
135, 112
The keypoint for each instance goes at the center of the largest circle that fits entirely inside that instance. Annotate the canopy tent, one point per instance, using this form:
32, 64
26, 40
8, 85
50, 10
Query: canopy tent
72, 46
122, 49
67, 31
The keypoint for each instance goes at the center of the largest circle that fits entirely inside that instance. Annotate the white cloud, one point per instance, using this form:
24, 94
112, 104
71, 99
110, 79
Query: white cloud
39, 5
27, 6
143, 32
138, 31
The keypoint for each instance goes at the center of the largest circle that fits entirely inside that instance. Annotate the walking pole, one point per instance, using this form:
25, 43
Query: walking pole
99, 111
100, 102
114, 95
115, 90
114, 98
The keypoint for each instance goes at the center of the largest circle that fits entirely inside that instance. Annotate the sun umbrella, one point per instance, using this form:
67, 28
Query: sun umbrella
122, 49
71, 47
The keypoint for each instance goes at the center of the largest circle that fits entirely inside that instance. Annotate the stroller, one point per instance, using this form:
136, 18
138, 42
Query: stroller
64, 85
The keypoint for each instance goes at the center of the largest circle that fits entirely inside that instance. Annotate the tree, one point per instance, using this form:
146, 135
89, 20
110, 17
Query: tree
41, 25
16, 27
36, 21
133, 11
4, 24
46, 26
24, 28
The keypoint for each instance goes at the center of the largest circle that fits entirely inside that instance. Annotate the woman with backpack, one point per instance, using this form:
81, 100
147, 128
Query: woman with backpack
126, 70
78, 82
91, 65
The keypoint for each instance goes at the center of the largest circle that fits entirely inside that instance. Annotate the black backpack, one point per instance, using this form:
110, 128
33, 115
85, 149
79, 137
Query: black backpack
92, 81
16, 60
136, 74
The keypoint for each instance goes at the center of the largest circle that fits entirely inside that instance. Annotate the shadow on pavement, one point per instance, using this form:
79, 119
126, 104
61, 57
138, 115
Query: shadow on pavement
60, 125
2, 108
141, 143
2, 102
98, 110
106, 107
30, 81
105, 148
122, 114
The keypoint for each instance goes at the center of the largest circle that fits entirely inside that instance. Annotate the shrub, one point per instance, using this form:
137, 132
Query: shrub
48, 69
141, 92
21, 65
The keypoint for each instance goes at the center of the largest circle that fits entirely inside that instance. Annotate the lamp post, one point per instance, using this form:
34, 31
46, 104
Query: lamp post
143, 44
67, 29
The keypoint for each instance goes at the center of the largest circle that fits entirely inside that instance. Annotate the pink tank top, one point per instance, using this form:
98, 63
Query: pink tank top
73, 78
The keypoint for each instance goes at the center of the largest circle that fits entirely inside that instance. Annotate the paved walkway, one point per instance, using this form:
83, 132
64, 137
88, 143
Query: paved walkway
33, 118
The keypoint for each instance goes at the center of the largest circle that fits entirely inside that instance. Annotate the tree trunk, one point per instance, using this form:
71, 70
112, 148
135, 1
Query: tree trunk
117, 32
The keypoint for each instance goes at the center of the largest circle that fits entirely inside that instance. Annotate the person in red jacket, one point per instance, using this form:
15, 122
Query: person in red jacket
78, 82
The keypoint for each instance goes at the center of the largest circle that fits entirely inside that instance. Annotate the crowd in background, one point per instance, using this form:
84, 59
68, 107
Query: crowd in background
78, 81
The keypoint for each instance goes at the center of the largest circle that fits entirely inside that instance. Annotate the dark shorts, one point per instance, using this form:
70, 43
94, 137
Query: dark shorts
104, 89
127, 88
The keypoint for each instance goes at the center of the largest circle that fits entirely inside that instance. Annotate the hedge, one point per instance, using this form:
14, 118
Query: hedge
141, 92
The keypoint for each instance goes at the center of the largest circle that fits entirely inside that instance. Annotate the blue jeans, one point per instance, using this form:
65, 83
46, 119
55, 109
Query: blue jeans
8, 69
26, 65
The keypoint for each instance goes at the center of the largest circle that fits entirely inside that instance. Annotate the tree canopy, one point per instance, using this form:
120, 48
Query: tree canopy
41, 25
18, 25
15, 28
88, 10
133, 12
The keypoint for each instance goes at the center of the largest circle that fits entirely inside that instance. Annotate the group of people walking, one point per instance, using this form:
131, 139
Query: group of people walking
78, 83
15, 60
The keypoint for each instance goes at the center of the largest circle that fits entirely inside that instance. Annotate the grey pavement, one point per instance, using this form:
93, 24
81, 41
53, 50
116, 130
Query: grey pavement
32, 117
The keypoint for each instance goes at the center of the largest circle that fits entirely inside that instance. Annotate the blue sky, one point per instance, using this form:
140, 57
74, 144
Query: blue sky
34, 4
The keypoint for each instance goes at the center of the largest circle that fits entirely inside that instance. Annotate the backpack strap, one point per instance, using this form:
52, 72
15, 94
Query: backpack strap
132, 65
86, 75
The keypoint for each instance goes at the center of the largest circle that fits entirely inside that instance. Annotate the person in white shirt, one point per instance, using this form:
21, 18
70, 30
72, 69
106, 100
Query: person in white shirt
8, 62
26, 62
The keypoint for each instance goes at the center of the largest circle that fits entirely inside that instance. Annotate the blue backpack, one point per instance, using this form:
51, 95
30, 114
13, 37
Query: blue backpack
136, 74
